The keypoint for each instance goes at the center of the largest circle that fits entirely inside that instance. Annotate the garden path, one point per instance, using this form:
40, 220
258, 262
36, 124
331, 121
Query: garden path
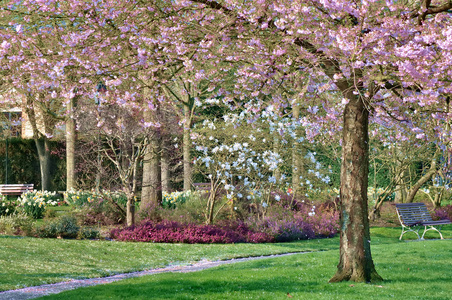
55, 288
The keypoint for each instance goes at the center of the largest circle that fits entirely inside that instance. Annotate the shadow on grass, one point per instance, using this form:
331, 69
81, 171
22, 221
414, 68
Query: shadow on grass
412, 271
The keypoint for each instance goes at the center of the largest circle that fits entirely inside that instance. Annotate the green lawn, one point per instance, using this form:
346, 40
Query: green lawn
418, 270
30, 261
412, 270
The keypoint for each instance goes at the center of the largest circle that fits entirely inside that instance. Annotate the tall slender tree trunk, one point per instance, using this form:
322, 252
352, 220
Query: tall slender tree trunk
155, 174
146, 181
427, 176
277, 171
70, 147
130, 208
41, 142
151, 191
355, 262
297, 163
187, 149
43, 148
399, 168
165, 168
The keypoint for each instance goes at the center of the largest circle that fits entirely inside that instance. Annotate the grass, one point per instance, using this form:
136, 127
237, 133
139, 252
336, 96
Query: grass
417, 270
412, 270
31, 261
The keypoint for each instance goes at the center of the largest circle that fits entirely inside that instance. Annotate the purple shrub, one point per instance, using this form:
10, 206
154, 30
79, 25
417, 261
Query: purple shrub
303, 221
174, 232
442, 213
286, 220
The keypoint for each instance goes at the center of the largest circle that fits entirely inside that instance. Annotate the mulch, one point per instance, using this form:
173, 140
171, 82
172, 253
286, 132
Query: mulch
55, 288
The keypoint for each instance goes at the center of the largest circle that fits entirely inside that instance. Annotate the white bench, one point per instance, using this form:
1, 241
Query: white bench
15, 189
413, 216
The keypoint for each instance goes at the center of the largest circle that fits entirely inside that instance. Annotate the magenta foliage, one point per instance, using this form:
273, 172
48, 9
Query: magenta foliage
443, 213
299, 220
285, 221
175, 232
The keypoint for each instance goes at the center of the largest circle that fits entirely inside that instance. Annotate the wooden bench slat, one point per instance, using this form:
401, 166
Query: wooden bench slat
15, 189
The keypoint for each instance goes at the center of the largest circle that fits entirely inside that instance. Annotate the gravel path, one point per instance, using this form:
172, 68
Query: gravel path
55, 288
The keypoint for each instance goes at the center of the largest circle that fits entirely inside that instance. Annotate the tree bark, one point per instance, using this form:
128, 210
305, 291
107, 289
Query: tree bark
297, 158
165, 168
151, 191
155, 195
187, 149
413, 191
355, 262
42, 146
41, 142
70, 147
130, 209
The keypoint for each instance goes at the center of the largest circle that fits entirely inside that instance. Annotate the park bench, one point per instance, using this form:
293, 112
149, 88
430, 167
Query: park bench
413, 216
15, 189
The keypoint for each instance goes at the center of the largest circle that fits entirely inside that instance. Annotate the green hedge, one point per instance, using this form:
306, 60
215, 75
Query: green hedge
23, 163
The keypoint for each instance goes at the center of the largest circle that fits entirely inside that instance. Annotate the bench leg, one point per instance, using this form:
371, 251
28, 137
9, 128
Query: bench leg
432, 228
408, 230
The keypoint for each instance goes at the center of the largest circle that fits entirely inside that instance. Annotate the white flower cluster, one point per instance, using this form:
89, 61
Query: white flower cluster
38, 198
232, 149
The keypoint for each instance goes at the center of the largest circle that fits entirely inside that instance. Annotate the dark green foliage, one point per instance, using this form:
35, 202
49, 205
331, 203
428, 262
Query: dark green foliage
23, 163
16, 224
48, 230
89, 233
65, 227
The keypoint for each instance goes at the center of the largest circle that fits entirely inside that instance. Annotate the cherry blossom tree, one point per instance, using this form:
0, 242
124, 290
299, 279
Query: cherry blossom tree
383, 58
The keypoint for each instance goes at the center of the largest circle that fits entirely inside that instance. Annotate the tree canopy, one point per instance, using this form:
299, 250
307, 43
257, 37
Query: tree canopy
387, 62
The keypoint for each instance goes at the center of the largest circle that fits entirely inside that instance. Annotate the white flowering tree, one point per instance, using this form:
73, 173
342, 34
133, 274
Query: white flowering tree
250, 161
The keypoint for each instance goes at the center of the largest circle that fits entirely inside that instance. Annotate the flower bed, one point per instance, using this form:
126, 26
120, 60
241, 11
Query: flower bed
175, 232
281, 224
34, 203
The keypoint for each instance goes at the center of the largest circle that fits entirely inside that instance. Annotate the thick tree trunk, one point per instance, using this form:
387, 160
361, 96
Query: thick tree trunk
187, 149
355, 257
70, 148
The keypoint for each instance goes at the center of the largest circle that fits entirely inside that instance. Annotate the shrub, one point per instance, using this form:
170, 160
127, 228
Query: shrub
47, 230
16, 224
175, 232
174, 199
34, 203
49, 214
85, 198
104, 208
150, 211
89, 233
297, 221
65, 227
193, 210
7, 207
442, 213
